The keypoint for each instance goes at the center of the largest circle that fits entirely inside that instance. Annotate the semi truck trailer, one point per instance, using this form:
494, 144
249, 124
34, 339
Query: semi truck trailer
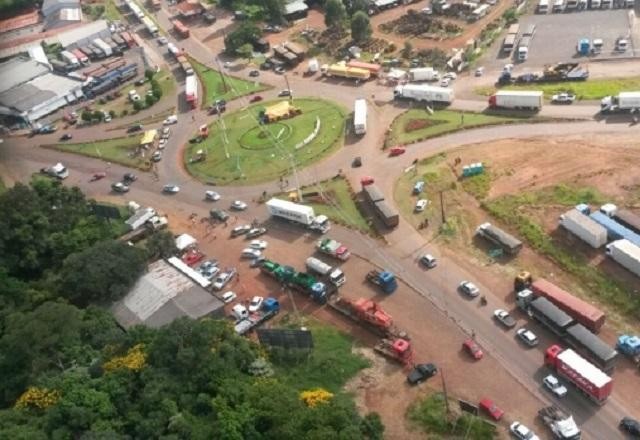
625, 217
333, 248
624, 102
335, 275
499, 237
423, 74
360, 116
626, 254
424, 93
584, 227
297, 213
517, 100
344, 71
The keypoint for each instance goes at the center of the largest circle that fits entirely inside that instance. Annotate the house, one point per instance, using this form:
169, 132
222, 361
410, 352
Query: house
59, 13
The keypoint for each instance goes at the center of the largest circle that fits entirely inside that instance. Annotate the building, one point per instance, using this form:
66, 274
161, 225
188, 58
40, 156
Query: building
162, 295
189, 8
59, 13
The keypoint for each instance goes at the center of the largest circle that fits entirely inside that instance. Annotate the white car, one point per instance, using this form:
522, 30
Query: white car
258, 244
229, 296
480, 71
166, 131
222, 279
445, 82
238, 205
212, 195
469, 288
256, 303
250, 253
554, 385
429, 261
172, 189
162, 143
173, 119
527, 336
156, 156
450, 75
162, 41
521, 432
421, 205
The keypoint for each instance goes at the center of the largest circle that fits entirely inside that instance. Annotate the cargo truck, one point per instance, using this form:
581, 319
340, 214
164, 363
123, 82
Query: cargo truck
180, 29
333, 248
70, 59
102, 46
624, 102
373, 68
81, 56
615, 231
344, 71
560, 423
625, 217
334, 275
499, 237
517, 100
300, 281
587, 378
509, 43
584, 227
270, 308
360, 117
191, 91
423, 74
297, 213
543, 6
629, 346
385, 280
140, 217
369, 314
626, 254
523, 48
424, 93
544, 311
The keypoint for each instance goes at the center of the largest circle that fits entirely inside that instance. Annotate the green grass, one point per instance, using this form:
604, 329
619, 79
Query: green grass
330, 365
113, 150
439, 123
478, 185
214, 86
253, 162
122, 103
3, 187
591, 89
429, 414
111, 11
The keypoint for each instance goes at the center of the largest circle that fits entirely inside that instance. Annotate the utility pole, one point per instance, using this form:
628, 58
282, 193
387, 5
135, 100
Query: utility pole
444, 390
286, 80
444, 219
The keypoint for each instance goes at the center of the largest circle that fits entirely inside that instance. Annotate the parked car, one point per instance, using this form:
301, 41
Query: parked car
491, 409
173, 119
228, 296
563, 98
257, 261
134, 128
156, 156
630, 426
429, 261
421, 205
258, 244
445, 82
66, 137
450, 75
240, 230
162, 41
250, 253
256, 232
129, 177
527, 336
553, 384
286, 92
223, 278
469, 289
208, 271
473, 349
238, 205
397, 151
219, 214
171, 189
521, 432
256, 303
421, 372
357, 162
254, 73
120, 187
367, 180
255, 98
212, 196
504, 318
280, 71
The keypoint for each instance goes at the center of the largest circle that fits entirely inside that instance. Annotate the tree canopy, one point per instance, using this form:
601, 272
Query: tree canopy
246, 33
334, 13
360, 27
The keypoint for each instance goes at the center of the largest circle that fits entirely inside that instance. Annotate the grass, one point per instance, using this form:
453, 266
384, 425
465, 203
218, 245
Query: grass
231, 158
438, 123
115, 150
214, 87
429, 414
478, 185
591, 89
111, 11
122, 103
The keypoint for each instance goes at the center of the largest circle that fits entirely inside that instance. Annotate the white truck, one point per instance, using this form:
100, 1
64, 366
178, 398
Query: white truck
624, 102
423, 92
360, 116
58, 171
423, 74
543, 6
584, 227
336, 276
626, 254
70, 58
299, 214
516, 99
140, 217
104, 47
523, 48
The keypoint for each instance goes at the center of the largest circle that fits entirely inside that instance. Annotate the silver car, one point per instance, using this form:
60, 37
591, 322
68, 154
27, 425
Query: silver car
553, 384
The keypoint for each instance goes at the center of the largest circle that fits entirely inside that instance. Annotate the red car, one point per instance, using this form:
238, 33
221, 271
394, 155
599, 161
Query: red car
255, 98
473, 349
397, 151
366, 180
192, 257
490, 408
98, 176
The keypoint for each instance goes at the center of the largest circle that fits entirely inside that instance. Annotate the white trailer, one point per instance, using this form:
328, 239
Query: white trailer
139, 218
584, 227
626, 254
624, 102
335, 275
150, 25
515, 99
360, 116
423, 74
423, 92
298, 213
104, 47
543, 6
70, 58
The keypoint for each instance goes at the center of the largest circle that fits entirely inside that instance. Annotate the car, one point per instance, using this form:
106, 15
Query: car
223, 279
98, 176
258, 244
426, 11
357, 162
217, 109
421, 205
418, 187
254, 73
527, 336
429, 261
397, 151
257, 261
66, 137
367, 180
521, 432
173, 119
473, 349
280, 71
256, 232
165, 131
250, 253
421, 372
134, 128
238, 205
228, 296
129, 177
267, 65
488, 406
219, 214
563, 98
479, 71
208, 265
162, 41
255, 98
450, 75
208, 269
240, 230
256, 303
553, 384
212, 196
162, 144
171, 189
445, 82
120, 187
469, 289
504, 318
107, 117
156, 156
286, 92
220, 102
227, 64
630, 426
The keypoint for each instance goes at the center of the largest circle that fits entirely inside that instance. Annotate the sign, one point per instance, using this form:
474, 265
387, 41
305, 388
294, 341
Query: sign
285, 338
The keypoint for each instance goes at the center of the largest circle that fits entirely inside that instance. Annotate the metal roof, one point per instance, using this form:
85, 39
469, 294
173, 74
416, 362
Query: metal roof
295, 6
52, 6
18, 71
585, 368
79, 33
596, 346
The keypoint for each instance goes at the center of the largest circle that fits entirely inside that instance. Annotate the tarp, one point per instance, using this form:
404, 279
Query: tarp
148, 137
184, 241
278, 110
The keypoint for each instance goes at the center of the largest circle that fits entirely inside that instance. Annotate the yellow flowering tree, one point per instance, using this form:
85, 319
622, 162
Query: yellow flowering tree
41, 398
134, 360
316, 396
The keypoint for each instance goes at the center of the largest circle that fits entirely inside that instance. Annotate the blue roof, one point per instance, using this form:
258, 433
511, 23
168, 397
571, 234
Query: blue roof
615, 230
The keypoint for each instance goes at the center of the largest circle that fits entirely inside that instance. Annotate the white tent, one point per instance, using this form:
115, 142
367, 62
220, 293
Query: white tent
184, 241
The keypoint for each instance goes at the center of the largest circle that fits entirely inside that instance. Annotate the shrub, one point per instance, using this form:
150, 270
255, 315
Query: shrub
138, 105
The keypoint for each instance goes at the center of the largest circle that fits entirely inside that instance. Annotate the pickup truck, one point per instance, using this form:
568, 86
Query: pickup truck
563, 98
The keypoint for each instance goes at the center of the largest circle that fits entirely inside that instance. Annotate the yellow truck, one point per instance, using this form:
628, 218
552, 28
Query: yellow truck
343, 71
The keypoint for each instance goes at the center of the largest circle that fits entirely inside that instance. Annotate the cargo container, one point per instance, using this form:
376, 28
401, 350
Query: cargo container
423, 74
387, 213
517, 100
373, 193
626, 254
581, 311
191, 91
122, 44
584, 227
424, 93
544, 311
150, 25
628, 219
128, 39
373, 68
591, 346
70, 58
81, 56
615, 231
180, 29
297, 213
360, 117
60, 66
499, 237
104, 47
587, 378
624, 102
509, 43
112, 44
344, 71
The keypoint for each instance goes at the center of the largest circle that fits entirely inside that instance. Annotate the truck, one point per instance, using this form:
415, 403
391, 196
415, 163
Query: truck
623, 216
588, 378
424, 93
150, 25
333, 248
369, 314
386, 213
509, 43
385, 280
373, 68
615, 231
515, 99
560, 423
140, 217
629, 346
423, 74
579, 224
58, 171
543, 6
624, 102
180, 28
571, 5
344, 71
360, 116
191, 91
301, 214
523, 48
155, 223
626, 254
583, 47
103, 47
299, 281
270, 308
81, 56
558, 6
544, 311
398, 350
335, 275
70, 59
499, 237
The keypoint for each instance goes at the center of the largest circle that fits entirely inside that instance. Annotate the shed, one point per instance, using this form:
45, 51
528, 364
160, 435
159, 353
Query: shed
184, 241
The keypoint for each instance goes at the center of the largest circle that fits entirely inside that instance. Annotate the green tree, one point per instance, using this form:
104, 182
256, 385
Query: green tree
275, 10
86, 115
138, 105
510, 15
358, 5
407, 49
161, 245
246, 33
334, 13
245, 51
97, 114
371, 426
149, 74
360, 27
150, 99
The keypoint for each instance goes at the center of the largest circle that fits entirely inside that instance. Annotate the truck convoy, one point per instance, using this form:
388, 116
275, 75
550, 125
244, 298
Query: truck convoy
297, 213
424, 93
560, 423
333, 248
518, 100
360, 116
270, 308
335, 275
300, 281
624, 102
385, 280
423, 74
626, 254
344, 71
576, 222
506, 241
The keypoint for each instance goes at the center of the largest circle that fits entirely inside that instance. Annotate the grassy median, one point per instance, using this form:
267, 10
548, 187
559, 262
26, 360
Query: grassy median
117, 150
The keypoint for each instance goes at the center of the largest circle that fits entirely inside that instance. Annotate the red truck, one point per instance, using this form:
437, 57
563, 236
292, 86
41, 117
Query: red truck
583, 312
180, 28
585, 376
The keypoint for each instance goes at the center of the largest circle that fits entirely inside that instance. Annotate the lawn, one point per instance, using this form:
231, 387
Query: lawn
591, 89
416, 125
122, 104
240, 151
215, 88
116, 150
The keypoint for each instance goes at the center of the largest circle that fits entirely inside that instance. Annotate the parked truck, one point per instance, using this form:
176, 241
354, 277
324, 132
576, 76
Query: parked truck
629, 346
369, 314
625, 217
624, 102
398, 350
424, 93
180, 28
335, 275
588, 378
297, 213
423, 74
510, 40
360, 116
373, 68
385, 280
343, 71
523, 48
517, 100
140, 217
300, 281
270, 308
615, 231
153, 224
584, 227
560, 423
499, 237
544, 311
333, 248
626, 254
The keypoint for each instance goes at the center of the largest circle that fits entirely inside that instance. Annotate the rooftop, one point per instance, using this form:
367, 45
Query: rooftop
18, 71
19, 21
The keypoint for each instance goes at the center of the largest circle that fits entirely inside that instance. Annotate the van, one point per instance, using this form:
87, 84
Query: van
239, 312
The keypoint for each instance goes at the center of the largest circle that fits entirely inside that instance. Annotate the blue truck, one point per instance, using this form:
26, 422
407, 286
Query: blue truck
383, 279
270, 308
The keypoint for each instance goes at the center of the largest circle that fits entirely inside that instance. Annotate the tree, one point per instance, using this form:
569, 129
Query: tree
246, 33
97, 114
86, 116
149, 74
275, 10
358, 5
161, 245
510, 15
407, 49
138, 105
360, 27
334, 13
245, 51
150, 99
372, 427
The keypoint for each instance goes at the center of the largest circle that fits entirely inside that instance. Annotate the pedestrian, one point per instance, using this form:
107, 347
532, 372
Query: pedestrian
473, 334
461, 118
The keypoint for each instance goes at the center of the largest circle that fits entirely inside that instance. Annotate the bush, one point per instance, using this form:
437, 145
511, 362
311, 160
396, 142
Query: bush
149, 74
125, 112
112, 113
138, 105
86, 116
97, 115
150, 100
157, 93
